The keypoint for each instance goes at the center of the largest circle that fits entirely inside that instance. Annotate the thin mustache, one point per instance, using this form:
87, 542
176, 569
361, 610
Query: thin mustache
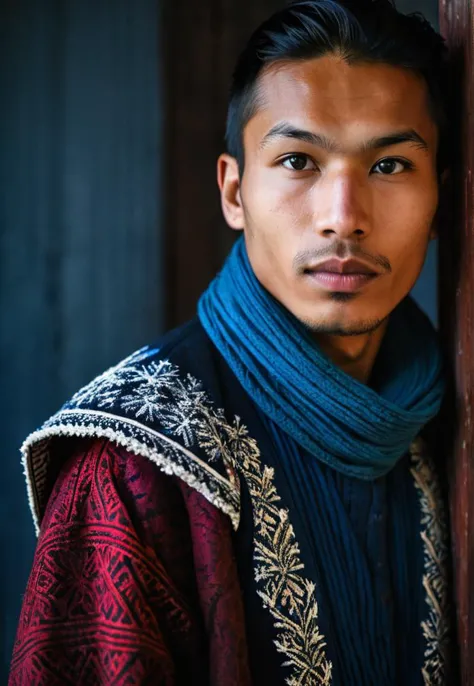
341, 252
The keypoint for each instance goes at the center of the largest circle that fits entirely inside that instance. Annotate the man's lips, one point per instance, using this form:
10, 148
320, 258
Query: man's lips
343, 276
335, 266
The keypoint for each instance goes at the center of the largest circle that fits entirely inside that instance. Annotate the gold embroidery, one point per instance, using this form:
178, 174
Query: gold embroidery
149, 393
289, 597
189, 415
434, 536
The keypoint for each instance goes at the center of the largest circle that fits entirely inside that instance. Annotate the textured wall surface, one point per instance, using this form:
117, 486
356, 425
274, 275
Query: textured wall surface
80, 268
456, 317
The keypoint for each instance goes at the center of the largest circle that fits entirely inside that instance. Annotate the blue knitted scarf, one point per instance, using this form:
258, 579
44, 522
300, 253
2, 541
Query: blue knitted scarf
359, 430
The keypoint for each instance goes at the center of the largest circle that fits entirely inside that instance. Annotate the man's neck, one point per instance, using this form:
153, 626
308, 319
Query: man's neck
355, 355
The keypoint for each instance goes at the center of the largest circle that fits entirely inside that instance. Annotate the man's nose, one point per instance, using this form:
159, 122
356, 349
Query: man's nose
341, 208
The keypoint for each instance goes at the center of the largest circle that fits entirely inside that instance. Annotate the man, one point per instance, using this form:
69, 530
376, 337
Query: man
251, 501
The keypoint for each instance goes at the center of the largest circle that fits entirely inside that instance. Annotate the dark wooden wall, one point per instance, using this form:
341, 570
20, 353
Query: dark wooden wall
457, 316
203, 40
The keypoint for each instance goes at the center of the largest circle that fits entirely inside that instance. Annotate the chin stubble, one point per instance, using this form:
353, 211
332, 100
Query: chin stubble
337, 329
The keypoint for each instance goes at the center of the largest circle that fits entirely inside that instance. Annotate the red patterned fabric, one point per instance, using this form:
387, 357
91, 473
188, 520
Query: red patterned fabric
133, 582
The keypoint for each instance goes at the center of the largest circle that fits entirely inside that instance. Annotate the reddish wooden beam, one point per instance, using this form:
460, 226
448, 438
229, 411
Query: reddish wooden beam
202, 41
457, 319
191, 201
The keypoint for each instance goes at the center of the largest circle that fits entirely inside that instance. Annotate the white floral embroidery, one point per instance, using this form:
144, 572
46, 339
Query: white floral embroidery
146, 393
126, 404
153, 392
106, 388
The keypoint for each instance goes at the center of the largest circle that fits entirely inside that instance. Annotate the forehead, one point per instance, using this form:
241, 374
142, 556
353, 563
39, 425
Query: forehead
345, 101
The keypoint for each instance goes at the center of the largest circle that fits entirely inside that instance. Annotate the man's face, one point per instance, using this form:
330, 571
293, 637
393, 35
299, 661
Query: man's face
339, 191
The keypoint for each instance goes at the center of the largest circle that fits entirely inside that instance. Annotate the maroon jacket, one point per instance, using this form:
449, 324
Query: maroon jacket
133, 582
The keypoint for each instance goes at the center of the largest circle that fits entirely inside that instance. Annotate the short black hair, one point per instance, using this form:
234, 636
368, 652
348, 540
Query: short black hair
359, 31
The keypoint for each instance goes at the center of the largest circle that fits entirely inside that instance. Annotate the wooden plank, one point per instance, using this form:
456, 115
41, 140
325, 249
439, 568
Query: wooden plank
190, 147
456, 287
202, 41
236, 28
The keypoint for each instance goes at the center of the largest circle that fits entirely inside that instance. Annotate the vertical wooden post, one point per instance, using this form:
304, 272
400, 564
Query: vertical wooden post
202, 41
456, 285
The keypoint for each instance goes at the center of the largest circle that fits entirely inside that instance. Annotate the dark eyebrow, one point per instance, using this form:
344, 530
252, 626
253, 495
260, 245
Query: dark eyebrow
285, 130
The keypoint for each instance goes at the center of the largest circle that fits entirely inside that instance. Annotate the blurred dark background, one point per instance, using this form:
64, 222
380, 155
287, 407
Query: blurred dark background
112, 116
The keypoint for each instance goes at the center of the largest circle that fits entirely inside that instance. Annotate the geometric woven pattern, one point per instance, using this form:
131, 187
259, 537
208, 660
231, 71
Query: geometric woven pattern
124, 590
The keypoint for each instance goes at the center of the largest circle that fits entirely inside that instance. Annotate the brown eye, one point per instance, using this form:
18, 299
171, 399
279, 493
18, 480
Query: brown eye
391, 166
296, 162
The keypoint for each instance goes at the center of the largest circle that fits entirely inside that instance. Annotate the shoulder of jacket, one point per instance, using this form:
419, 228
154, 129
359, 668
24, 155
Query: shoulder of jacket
152, 405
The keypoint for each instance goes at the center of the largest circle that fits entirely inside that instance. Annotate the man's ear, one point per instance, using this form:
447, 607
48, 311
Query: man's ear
229, 185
